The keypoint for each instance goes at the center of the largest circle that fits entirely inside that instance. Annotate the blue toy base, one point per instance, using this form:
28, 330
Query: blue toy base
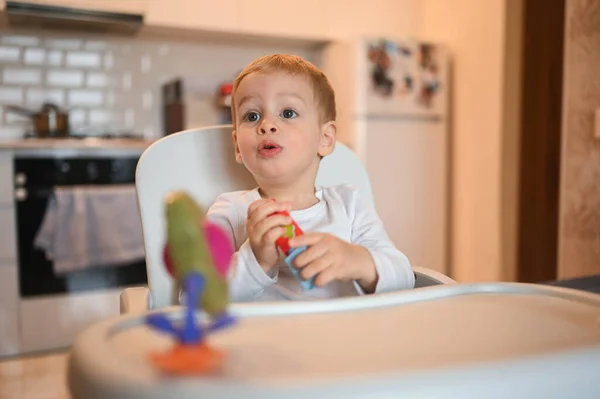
306, 285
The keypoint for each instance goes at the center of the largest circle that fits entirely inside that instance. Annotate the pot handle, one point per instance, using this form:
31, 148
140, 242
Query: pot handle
20, 110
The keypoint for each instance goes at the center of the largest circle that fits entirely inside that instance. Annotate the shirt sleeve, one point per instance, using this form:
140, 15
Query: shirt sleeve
247, 280
393, 267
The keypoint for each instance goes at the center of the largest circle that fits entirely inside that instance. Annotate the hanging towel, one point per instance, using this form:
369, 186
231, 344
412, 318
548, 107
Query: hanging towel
88, 226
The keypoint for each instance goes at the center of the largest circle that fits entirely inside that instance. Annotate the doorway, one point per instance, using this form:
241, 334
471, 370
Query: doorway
540, 139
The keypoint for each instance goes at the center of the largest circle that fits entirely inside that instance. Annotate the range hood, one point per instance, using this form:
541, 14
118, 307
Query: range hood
21, 14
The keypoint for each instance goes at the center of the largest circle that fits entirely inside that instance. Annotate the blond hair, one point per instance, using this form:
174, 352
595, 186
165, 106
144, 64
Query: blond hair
292, 64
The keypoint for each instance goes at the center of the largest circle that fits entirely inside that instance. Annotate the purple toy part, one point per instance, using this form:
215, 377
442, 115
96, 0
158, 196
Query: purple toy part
220, 246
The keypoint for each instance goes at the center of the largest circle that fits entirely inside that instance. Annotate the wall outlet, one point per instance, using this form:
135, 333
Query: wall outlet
597, 124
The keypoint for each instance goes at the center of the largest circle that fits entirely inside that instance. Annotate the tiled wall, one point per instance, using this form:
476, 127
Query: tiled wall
579, 235
110, 85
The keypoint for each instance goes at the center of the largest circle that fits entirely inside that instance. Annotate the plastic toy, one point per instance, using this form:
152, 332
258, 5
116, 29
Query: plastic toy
293, 230
197, 255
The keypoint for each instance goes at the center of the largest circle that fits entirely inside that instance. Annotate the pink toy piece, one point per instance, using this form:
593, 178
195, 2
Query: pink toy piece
220, 246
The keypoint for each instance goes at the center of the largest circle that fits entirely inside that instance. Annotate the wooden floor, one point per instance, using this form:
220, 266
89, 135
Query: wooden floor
39, 377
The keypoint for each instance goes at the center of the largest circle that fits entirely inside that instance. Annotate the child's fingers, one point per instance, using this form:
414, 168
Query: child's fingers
326, 276
307, 239
263, 211
313, 253
273, 234
255, 205
263, 226
315, 267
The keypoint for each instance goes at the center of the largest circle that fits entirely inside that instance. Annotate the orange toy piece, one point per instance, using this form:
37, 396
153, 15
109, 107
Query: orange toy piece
187, 360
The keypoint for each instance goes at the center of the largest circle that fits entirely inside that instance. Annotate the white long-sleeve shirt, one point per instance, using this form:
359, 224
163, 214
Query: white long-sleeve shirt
340, 212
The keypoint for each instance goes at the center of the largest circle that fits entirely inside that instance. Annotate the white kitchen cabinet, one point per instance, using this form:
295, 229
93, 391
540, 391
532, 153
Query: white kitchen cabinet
6, 179
8, 242
121, 6
193, 14
374, 18
9, 310
304, 19
69, 315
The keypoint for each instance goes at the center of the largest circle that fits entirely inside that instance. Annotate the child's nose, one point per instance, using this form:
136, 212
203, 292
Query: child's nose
268, 127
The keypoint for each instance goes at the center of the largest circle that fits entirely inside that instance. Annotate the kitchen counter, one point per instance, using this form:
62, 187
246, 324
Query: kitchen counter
75, 146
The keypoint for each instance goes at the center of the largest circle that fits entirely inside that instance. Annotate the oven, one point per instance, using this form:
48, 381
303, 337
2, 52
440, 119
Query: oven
53, 307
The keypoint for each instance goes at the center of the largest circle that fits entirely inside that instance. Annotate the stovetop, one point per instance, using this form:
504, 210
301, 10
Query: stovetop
105, 136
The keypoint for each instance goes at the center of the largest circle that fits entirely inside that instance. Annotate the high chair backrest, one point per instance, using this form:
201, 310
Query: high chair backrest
202, 162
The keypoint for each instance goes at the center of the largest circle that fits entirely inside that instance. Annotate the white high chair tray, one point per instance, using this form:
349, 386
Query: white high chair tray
485, 340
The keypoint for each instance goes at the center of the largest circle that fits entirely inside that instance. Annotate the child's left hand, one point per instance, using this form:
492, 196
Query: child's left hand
332, 259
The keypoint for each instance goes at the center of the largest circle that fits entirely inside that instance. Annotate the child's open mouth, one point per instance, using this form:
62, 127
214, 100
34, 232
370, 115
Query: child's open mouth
268, 149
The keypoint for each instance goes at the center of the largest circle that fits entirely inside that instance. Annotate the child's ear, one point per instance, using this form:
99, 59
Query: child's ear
238, 155
328, 133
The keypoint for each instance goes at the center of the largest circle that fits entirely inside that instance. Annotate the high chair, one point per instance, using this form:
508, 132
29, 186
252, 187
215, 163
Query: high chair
447, 341
202, 162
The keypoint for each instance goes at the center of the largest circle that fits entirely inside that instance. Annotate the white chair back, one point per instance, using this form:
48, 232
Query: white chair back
202, 162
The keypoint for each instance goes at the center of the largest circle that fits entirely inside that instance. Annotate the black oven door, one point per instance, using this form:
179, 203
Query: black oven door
38, 177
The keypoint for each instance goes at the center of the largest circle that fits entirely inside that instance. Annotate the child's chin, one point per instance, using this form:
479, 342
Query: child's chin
272, 175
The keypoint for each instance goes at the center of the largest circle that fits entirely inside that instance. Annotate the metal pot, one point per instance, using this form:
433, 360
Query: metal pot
49, 121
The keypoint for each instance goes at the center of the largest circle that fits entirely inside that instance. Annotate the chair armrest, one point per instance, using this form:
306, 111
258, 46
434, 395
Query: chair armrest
135, 300
427, 277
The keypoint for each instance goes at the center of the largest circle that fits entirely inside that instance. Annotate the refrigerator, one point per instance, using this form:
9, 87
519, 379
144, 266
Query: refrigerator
392, 102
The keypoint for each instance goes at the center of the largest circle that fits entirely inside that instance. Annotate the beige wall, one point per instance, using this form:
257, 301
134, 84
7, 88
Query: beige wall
475, 33
579, 230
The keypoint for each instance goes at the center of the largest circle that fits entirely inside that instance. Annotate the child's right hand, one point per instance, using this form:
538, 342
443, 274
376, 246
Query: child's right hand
264, 229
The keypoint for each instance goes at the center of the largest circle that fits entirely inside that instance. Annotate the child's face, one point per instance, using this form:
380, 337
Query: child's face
279, 136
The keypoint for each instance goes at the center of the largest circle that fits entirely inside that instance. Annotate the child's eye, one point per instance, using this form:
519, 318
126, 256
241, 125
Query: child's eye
289, 113
252, 117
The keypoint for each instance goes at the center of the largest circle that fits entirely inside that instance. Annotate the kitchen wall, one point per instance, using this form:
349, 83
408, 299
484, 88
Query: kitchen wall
109, 83
579, 226
474, 31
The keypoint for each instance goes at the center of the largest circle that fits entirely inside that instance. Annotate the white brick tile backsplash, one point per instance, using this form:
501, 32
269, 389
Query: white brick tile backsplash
13, 118
21, 76
97, 79
64, 44
109, 61
146, 63
36, 97
83, 59
163, 50
11, 95
126, 81
9, 133
9, 54
100, 116
148, 131
21, 40
109, 83
95, 45
110, 99
129, 118
34, 56
67, 78
55, 58
77, 117
37, 56
85, 98
147, 100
